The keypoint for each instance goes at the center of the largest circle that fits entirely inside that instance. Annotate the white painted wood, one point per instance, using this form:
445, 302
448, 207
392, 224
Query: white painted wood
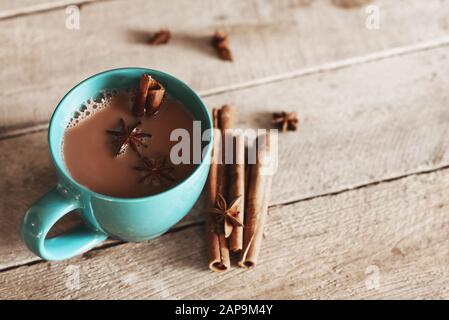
16, 8
358, 125
6, 5
384, 241
41, 59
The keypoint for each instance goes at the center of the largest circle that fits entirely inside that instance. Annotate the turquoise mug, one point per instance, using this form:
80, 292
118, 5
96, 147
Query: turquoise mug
129, 219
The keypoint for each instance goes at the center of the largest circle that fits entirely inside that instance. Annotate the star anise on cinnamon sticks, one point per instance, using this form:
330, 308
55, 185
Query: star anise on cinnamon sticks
149, 97
226, 214
221, 44
155, 171
128, 136
160, 37
285, 121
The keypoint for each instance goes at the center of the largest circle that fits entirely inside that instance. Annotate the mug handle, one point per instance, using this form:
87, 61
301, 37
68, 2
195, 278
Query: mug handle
43, 215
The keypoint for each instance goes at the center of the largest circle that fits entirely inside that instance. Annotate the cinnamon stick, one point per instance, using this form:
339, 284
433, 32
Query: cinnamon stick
149, 97
225, 122
259, 188
141, 98
237, 189
222, 183
217, 246
156, 94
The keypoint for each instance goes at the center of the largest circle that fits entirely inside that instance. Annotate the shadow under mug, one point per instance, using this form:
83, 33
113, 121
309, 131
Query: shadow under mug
130, 219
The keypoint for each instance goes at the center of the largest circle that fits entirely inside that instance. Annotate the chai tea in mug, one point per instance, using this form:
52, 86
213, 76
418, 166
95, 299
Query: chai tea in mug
119, 144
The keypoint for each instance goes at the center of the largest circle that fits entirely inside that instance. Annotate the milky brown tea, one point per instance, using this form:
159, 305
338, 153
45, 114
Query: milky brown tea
98, 156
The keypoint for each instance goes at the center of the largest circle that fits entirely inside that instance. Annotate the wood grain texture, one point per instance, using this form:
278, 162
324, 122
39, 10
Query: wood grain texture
384, 241
15, 8
393, 125
268, 39
6, 5
361, 124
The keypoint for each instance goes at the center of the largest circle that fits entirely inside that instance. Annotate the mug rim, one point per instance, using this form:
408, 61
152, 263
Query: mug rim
64, 171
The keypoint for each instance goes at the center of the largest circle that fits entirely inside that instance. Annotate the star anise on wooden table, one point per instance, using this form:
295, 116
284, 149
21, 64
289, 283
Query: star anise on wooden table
285, 121
128, 136
226, 215
160, 37
155, 171
221, 44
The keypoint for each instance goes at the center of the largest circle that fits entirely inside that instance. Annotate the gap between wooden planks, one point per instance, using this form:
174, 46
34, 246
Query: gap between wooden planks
289, 38
350, 135
442, 42
12, 8
385, 241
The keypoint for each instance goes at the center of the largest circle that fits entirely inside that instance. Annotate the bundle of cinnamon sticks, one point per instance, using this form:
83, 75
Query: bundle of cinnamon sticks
238, 195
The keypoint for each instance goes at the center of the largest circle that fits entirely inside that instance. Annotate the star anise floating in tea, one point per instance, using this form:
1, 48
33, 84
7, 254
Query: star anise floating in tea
285, 121
155, 171
221, 44
227, 214
149, 97
160, 37
128, 136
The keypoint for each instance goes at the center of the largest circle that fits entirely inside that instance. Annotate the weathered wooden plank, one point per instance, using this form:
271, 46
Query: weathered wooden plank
357, 125
392, 124
7, 5
384, 241
15, 8
268, 38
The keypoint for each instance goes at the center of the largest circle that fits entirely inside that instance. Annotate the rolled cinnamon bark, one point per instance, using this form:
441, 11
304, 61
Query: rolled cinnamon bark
139, 104
237, 189
217, 246
156, 94
257, 200
225, 122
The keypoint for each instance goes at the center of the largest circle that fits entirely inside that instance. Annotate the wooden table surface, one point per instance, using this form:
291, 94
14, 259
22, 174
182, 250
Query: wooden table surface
360, 204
